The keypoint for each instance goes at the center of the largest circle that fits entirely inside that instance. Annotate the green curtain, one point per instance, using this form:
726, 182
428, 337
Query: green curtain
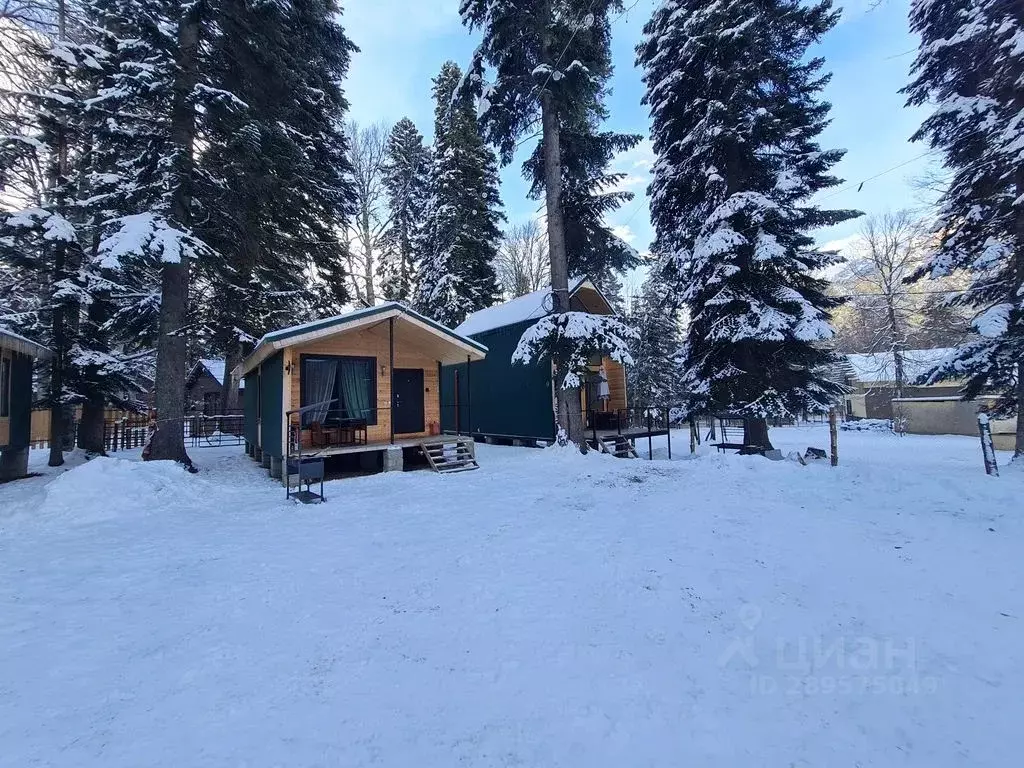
355, 379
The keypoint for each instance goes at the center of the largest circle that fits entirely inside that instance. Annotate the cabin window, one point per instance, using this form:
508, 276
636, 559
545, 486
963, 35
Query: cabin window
342, 388
5, 387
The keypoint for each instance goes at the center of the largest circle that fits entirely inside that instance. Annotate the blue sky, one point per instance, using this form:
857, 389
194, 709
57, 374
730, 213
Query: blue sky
404, 42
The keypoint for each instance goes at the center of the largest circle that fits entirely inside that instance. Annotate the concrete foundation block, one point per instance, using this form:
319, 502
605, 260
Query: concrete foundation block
275, 467
13, 463
394, 460
265, 459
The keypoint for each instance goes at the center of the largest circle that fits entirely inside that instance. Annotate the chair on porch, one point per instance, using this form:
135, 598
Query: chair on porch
321, 436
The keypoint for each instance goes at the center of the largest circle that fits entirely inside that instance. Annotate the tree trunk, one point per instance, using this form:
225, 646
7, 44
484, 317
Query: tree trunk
755, 432
90, 429
569, 412
59, 421
58, 425
1018, 259
229, 392
168, 441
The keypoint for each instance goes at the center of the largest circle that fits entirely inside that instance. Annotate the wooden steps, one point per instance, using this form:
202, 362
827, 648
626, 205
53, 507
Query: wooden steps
617, 446
450, 455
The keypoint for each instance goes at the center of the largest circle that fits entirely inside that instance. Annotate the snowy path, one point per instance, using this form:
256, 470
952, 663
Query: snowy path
544, 611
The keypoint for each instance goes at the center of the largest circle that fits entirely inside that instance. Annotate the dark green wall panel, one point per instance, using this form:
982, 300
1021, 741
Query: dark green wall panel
271, 403
509, 400
21, 400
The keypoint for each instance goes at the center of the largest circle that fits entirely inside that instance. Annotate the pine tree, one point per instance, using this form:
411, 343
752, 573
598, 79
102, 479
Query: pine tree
736, 112
653, 379
548, 62
407, 178
970, 66
464, 212
589, 188
275, 193
51, 239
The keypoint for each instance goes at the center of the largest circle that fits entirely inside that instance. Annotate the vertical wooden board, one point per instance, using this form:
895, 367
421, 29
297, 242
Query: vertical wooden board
272, 398
616, 384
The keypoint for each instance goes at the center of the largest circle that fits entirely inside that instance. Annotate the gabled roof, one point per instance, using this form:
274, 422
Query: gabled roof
331, 326
11, 340
532, 306
216, 367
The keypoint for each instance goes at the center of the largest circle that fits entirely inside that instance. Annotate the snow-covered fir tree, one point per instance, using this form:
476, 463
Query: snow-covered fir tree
736, 114
463, 214
274, 194
653, 379
971, 67
590, 191
49, 236
407, 178
545, 62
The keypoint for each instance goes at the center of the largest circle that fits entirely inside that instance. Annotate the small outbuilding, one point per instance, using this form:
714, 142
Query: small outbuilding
364, 383
492, 398
16, 359
205, 384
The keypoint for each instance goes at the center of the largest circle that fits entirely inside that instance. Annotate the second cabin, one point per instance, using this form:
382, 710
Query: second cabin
494, 398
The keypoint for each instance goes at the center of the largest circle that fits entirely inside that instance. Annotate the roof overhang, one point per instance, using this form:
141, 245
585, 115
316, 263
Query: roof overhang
446, 345
23, 346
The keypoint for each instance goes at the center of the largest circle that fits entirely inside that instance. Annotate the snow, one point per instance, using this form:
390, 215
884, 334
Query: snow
216, 369
546, 610
532, 306
876, 367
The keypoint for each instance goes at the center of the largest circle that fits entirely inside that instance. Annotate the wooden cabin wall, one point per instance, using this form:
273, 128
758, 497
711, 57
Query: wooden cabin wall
372, 343
616, 373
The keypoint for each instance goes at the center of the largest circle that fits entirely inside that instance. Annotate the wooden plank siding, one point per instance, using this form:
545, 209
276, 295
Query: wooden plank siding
616, 373
372, 342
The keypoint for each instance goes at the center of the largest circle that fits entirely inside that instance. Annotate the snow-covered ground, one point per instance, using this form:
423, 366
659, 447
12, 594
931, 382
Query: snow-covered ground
546, 610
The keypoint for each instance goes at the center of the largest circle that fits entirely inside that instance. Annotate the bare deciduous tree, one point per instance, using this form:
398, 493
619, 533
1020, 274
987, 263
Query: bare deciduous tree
891, 248
523, 265
368, 153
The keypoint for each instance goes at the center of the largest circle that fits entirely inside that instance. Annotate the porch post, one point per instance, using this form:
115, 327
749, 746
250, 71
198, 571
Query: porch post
469, 397
391, 375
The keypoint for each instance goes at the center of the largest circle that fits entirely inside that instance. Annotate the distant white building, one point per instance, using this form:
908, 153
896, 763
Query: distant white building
872, 377
924, 409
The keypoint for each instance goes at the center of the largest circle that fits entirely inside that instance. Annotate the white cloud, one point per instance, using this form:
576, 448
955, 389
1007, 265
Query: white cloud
623, 232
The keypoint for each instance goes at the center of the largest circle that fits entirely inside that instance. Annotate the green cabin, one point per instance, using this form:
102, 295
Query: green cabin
16, 358
492, 398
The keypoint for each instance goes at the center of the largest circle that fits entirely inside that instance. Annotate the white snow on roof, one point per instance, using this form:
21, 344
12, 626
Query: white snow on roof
877, 367
335, 319
216, 369
532, 306
35, 347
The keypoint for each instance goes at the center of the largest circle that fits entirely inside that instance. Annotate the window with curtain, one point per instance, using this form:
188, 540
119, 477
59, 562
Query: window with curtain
343, 388
5, 387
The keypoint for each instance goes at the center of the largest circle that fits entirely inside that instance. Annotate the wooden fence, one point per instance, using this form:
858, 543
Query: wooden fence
126, 430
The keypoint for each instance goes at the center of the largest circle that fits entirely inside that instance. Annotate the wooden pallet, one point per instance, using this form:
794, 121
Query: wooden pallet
450, 455
617, 446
